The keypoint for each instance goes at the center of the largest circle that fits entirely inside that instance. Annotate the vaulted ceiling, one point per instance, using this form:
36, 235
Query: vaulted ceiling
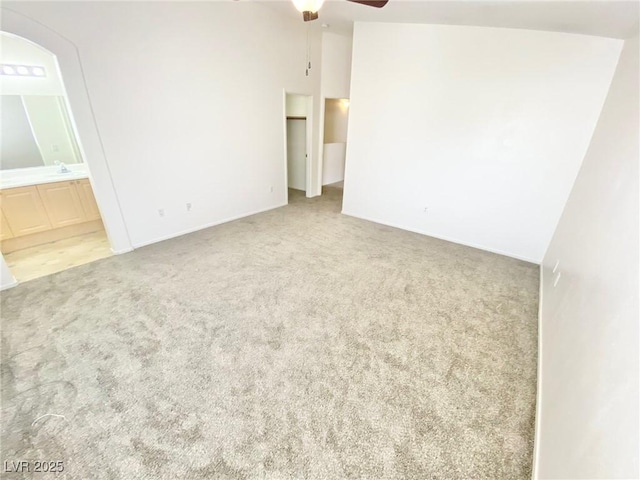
617, 19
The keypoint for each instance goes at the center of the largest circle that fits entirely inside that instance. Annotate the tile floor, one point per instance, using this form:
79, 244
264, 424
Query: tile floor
35, 262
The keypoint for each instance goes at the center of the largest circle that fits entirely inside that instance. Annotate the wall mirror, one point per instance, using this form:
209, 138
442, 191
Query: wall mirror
36, 132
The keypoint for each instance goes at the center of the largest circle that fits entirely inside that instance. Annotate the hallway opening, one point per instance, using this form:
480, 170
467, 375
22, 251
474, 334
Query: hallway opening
334, 148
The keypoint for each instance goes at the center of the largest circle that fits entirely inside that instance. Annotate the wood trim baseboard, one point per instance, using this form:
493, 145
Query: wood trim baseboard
18, 243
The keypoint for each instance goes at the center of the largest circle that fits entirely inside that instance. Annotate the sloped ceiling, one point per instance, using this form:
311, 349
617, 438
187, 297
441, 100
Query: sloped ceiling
616, 19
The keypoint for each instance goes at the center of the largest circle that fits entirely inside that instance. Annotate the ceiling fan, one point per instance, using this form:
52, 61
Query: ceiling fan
309, 8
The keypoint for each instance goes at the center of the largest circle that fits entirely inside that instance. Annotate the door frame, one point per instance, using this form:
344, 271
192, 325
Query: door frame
82, 119
309, 142
323, 103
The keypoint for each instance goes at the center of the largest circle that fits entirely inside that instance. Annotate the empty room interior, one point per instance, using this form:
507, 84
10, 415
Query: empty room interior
287, 239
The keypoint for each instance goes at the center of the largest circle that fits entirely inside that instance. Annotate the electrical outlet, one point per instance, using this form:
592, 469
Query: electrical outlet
426, 210
188, 206
271, 189
55, 148
161, 212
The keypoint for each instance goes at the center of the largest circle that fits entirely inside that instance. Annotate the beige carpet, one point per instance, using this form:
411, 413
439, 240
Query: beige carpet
298, 343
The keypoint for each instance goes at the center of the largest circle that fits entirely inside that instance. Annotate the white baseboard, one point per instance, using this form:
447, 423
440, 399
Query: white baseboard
9, 285
447, 239
202, 227
536, 438
120, 252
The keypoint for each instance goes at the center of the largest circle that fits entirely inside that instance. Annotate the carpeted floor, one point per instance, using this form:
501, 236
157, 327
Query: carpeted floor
297, 343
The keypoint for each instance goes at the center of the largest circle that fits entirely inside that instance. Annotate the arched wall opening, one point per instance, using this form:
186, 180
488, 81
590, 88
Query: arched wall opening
67, 62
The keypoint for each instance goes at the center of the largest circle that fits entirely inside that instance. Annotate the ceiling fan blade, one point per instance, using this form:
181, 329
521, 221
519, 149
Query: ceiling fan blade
371, 3
308, 16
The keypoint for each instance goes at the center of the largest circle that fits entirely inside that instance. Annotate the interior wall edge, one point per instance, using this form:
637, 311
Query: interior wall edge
7, 280
587, 415
536, 446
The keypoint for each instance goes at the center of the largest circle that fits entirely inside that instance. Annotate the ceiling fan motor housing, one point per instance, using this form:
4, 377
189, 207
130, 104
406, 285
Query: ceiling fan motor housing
308, 16
309, 8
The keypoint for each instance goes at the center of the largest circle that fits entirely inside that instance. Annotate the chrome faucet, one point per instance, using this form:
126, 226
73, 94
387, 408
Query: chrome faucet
63, 167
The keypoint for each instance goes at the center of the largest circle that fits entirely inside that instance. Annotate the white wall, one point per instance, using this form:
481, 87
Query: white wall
588, 410
6, 278
333, 163
296, 105
188, 102
484, 127
336, 65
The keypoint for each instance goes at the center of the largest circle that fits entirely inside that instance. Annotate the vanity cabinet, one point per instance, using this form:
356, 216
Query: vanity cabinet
62, 203
87, 199
24, 211
5, 229
47, 212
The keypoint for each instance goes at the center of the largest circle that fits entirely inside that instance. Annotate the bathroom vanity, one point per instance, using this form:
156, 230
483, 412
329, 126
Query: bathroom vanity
46, 207
45, 193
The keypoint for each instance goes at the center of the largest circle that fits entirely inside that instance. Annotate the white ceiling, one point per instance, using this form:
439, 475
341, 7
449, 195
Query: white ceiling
618, 19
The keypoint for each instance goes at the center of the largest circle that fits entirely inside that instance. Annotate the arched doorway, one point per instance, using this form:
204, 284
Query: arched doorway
66, 64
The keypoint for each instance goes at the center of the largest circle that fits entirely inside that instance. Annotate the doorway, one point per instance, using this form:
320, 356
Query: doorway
334, 144
296, 153
50, 220
298, 135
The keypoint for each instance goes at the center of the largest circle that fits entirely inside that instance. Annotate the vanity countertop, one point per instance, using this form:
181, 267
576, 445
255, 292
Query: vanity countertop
25, 177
